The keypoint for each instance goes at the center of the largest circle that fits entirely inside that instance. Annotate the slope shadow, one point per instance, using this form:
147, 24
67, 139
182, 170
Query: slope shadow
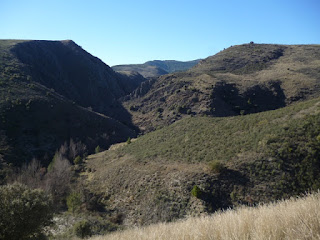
228, 101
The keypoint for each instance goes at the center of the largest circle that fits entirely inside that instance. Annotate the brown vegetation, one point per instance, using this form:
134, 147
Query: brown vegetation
289, 219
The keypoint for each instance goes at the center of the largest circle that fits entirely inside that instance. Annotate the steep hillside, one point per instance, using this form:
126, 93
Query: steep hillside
157, 67
75, 74
242, 79
44, 87
201, 164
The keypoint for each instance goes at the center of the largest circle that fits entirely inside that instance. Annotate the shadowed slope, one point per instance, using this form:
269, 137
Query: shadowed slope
42, 85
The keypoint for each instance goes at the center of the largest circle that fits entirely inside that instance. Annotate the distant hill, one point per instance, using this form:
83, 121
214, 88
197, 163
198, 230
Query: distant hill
50, 92
172, 66
157, 67
145, 70
242, 79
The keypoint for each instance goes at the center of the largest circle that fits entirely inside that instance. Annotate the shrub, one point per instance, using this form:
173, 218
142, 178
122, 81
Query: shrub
128, 140
23, 212
82, 229
180, 109
216, 166
74, 202
77, 160
134, 108
196, 192
159, 110
97, 149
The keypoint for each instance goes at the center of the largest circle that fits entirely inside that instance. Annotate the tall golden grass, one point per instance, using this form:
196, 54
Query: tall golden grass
296, 218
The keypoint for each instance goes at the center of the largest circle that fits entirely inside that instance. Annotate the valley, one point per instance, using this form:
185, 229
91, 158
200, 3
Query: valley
161, 141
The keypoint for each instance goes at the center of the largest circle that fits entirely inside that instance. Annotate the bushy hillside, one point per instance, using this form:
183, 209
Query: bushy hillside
240, 80
201, 164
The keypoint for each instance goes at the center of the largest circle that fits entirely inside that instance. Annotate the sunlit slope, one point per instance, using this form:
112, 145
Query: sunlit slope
297, 218
239, 80
233, 160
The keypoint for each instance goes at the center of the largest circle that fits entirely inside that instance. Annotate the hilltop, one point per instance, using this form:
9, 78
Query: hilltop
240, 80
156, 68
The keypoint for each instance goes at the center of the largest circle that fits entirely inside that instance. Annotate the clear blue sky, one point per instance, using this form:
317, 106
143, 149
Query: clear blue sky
135, 31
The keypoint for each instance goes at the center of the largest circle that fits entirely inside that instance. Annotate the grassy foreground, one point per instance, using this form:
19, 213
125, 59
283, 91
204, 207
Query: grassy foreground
296, 218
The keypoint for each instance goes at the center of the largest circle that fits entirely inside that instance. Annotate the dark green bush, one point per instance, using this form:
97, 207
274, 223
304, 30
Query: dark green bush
23, 212
74, 202
159, 110
97, 149
82, 229
196, 192
77, 160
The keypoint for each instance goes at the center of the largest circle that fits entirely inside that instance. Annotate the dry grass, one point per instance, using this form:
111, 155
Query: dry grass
289, 219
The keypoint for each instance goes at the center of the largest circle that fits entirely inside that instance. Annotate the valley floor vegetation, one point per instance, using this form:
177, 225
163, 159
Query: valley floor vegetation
295, 218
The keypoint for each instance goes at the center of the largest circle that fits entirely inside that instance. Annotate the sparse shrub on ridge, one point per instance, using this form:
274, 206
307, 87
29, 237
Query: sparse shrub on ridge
97, 149
216, 166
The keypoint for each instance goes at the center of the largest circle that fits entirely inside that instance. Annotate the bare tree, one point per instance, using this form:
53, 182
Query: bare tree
76, 149
30, 174
58, 179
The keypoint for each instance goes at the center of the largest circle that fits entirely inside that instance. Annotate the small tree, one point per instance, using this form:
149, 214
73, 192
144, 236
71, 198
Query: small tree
58, 180
77, 160
129, 140
30, 174
82, 229
74, 202
23, 212
97, 149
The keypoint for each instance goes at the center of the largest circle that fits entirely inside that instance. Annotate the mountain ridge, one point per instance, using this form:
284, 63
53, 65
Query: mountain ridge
157, 68
242, 79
